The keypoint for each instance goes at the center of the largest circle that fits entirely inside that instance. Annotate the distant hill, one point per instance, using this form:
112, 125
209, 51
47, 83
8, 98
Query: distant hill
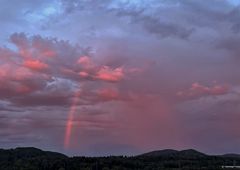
231, 155
190, 153
30, 159
165, 152
29, 152
35, 159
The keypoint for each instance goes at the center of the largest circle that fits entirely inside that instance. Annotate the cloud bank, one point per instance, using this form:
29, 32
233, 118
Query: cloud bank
135, 75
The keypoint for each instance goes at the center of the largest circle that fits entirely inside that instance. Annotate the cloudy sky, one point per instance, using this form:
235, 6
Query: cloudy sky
100, 77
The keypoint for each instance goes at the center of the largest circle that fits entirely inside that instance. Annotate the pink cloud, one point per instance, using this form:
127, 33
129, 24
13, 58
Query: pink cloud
35, 65
85, 61
34, 47
198, 90
83, 74
4, 70
108, 74
25, 53
10, 72
105, 73
48, 53
39, 62
22, 73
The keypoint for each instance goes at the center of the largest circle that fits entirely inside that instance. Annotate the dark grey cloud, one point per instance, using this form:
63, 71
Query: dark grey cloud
175, 18
138, 14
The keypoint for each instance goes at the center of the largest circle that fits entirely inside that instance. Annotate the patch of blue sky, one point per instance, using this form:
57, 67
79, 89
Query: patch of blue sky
235, 2
53, 8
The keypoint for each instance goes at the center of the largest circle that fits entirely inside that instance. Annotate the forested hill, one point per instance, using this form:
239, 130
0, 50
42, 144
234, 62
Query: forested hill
36, 159
190, 153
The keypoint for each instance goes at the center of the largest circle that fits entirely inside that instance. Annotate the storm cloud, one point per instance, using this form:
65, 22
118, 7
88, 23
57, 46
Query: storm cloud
135, 75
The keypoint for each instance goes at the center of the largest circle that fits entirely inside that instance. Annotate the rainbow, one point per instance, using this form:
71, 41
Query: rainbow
69, 124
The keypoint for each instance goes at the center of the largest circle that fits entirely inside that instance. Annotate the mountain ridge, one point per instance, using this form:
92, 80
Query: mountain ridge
31, 152
175, 153
30, 158
163, 152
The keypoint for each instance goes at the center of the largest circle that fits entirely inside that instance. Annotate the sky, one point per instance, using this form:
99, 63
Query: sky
120, 77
